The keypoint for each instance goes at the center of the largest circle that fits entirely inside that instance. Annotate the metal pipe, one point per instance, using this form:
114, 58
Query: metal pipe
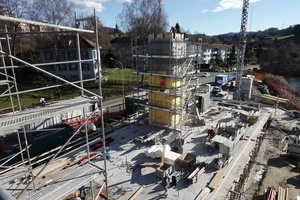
100, 191
45, 88
52, 63
101, 103
48, 73
4, 194
39, 32
58, 152
12, 19
9, 90
2, 165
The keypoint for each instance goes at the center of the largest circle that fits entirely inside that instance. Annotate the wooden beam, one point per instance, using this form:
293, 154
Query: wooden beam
136, 193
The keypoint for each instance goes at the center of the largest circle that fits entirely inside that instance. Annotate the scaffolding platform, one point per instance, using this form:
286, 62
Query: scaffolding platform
63, 187
12, 121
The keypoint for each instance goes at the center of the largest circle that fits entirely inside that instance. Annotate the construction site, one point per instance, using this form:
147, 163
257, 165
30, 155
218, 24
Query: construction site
205, 145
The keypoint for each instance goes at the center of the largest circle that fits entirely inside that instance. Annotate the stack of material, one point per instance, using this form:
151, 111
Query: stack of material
156, 151
283, 193
171, 157
203, 194
193, 177
187, 160
271, 193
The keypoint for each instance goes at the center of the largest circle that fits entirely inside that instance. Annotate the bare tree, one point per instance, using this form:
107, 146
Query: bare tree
17, 9
57, 12
143, 17
14, 8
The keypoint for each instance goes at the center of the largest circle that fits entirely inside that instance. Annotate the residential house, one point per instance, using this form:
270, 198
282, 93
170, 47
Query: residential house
217, 52
66, 51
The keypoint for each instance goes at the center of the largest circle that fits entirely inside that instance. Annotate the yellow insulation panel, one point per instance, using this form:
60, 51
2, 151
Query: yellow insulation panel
164, 100
167, 83
162, 118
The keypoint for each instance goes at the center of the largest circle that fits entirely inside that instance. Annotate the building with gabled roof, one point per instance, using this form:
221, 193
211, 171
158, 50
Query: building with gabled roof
65, 51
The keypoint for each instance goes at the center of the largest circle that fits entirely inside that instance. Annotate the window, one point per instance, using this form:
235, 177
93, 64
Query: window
85, 55
86, 67
72, 55
48, 56
61, 67
73, 67
74, 77
86, 77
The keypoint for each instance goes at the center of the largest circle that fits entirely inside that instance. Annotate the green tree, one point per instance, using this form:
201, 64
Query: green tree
177, 28
297, 30
232, 56
259, 50
117, 31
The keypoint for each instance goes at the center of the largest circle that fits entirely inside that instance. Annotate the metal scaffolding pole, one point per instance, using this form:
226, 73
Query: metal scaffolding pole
6, 77
58, 152
50, 74
13, 71
101, 102
12, 19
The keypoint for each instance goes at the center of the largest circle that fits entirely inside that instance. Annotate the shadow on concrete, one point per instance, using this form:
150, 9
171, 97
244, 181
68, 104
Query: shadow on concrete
277, 162
294, 181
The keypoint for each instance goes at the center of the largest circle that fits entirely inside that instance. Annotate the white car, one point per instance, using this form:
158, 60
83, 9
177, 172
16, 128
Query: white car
206, 74
222, 95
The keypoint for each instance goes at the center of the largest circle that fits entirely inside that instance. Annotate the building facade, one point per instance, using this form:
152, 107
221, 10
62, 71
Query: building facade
66, 51
216, 52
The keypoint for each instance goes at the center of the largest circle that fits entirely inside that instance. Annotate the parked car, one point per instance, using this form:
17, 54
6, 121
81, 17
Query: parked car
294, 113
206, 74
216, 90
223, 71
222, 94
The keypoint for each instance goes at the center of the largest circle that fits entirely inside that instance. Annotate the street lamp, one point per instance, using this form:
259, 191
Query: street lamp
123, 93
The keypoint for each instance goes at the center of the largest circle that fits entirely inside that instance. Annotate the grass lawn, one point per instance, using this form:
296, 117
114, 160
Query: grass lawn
281, 37
109, 91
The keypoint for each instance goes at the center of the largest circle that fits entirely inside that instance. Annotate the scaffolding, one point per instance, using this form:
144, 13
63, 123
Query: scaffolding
171, 80
23, 120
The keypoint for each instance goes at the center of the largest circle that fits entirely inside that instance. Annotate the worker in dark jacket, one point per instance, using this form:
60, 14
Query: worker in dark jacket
166, 183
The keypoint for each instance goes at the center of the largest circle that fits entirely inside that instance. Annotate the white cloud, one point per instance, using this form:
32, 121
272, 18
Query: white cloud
228, 4
89, 5
126, 1
204, 11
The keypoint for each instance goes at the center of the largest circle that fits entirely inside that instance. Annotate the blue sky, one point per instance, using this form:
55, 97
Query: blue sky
211, 17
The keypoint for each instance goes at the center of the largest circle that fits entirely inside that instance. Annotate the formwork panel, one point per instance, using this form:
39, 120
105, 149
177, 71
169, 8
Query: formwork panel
164, 100
167, 83
163, 118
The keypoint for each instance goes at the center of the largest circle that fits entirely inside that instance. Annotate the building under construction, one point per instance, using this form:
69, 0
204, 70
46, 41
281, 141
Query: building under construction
130, 162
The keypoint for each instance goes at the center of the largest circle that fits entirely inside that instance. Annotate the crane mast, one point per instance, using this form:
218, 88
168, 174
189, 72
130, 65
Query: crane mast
241, 51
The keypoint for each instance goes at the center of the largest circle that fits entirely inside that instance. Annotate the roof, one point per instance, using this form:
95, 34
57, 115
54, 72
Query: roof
216, 46
124, 40
70, 42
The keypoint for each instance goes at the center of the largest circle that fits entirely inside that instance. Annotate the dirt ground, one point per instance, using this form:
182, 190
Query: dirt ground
270, 168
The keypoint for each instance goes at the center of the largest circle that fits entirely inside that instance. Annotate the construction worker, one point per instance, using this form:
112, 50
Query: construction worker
166, 183
42, 101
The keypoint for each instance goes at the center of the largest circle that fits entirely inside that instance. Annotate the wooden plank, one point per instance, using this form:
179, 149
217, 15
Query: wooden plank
136, 193
203, 194
216, 180
150, 164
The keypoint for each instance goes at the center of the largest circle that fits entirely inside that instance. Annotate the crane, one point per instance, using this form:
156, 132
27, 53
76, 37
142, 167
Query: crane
241, 51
